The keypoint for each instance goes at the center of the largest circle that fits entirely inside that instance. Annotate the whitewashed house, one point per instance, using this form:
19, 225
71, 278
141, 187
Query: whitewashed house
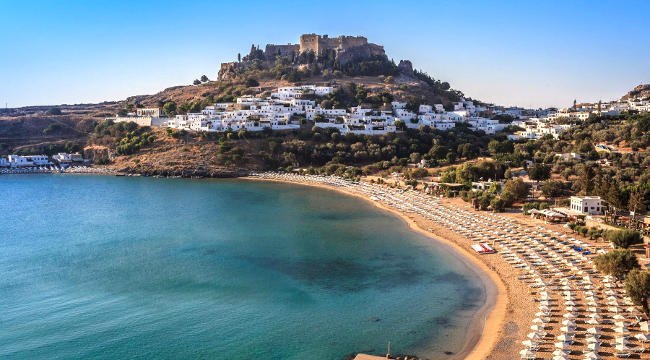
587, 204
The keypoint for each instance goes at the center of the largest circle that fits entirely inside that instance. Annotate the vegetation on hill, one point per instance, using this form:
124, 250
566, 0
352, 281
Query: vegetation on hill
126, 137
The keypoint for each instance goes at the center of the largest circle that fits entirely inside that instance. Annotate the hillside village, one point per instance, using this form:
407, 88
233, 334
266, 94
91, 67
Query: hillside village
288, 107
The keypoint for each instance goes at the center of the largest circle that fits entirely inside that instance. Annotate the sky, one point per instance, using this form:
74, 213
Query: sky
524, 53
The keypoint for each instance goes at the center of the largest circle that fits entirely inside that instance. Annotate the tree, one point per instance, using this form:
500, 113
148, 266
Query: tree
54, 111
637, 201
552, 189
250, 82
637, 287
507, 198
169, 108
450, 157
586, 179
616, 263
539, 172
238, 57
498, 204
204, 78
517, 187
400, 124
623, 238
584, 230
594, 233
123, 112
197, 82
500, 147
419, 173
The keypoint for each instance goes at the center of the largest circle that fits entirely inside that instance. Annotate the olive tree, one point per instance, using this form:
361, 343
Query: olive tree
616, 263
637, 287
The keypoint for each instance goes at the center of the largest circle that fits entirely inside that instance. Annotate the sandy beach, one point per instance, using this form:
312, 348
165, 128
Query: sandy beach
534, 272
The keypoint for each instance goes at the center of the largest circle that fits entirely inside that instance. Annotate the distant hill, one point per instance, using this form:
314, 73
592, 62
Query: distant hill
639, 92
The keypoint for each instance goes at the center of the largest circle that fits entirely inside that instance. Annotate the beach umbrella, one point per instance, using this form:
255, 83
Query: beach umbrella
569, 315
622, 330
621, 323
537, 327
592, 339
622, 347
593, 321
526, 353
559, 352
593, 346
571, 308
642, 337
614, 309
538, 320
564, 338
592, 355
595, 316
621, 340
529, 343
567, 329
569, 322
534, 335
560, 357
644, 326
560, 345
593, 330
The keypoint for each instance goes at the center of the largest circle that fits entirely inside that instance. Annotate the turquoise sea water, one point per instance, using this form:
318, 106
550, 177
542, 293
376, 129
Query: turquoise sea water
95, 267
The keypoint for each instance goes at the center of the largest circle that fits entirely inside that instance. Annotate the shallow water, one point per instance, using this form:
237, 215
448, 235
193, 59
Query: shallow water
98, 267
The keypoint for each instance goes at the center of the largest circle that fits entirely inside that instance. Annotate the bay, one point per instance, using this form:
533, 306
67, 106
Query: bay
100, 267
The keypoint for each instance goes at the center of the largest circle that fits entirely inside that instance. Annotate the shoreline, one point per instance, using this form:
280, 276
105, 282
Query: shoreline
483, 332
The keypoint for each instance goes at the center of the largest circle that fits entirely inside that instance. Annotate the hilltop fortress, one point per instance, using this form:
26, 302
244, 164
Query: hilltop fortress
343, 49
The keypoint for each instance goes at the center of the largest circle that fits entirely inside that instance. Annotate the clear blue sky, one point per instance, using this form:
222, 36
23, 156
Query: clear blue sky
528, 53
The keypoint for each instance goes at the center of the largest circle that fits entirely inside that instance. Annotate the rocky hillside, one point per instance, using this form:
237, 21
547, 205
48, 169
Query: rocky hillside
640, 92
332, 61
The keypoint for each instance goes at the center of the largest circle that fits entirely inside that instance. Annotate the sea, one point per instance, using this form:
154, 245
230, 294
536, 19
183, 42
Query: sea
105, 267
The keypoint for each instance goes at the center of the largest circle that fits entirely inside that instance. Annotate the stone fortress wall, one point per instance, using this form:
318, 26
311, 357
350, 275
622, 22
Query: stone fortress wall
346, 48
271, 50
318, 44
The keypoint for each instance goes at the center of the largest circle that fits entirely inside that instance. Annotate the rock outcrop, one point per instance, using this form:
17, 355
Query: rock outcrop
230, 70
405, 67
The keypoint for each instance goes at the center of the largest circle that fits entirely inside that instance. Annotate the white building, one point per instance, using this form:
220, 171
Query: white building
64, 158
144, 117
587, 204
30, 160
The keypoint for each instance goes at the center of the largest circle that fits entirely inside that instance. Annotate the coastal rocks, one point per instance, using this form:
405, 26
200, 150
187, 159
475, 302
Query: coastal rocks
97, 152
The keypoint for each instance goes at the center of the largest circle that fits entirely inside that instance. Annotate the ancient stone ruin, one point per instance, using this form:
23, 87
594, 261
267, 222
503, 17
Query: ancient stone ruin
345, 48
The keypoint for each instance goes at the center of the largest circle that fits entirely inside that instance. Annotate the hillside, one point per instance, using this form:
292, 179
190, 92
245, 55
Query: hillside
640, 92
345, 60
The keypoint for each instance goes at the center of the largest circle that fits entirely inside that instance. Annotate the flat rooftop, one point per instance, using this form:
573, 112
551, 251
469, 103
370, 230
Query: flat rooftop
369, 357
